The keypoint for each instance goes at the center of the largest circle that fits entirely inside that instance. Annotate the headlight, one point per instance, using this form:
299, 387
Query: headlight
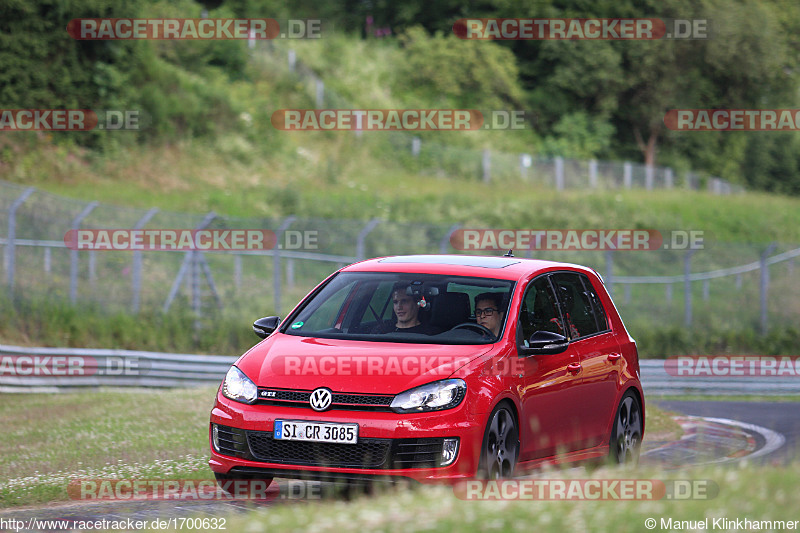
435, 396
238, 387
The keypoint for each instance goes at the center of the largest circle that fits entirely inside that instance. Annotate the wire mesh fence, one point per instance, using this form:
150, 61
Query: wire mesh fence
720, 284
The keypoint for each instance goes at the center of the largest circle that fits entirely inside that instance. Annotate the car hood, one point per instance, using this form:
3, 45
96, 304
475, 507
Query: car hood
305, 363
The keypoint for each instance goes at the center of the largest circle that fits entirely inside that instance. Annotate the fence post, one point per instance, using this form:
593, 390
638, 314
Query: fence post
592, 173
12, 235
649, 170
610, 271
486, 165
706, 290
362, 235
191, 261
525, 161
765, 286
689, 178
320, 97
92, 269
47, 259
73, 254
237, 271
416, 146
445, 242
290, 272
292, 57
627, 175
276, 261
136, 275
687, 288
195, 281
669, 181
559, 167
669, 293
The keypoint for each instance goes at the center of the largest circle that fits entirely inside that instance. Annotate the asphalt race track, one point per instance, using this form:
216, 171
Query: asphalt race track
783, 418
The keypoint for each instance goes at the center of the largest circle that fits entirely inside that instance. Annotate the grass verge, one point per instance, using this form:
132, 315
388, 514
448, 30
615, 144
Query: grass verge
53, 438
745, 492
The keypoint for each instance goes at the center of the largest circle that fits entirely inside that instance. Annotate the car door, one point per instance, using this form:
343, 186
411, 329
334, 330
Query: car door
550, 403
599, 354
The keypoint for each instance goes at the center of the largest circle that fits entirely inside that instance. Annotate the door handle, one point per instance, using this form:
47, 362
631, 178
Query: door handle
574, 367
614, 357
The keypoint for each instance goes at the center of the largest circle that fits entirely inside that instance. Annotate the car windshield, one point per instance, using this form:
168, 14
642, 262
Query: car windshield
402, 307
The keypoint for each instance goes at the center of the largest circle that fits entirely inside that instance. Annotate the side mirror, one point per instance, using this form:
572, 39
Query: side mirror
264, 326
544, 342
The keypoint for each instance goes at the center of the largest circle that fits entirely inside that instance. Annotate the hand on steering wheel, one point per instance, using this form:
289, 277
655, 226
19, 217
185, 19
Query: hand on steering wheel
483, 330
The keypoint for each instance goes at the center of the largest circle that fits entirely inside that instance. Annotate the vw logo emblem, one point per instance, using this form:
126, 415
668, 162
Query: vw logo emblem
320, 399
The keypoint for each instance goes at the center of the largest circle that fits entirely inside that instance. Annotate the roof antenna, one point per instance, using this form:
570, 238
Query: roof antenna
510, 253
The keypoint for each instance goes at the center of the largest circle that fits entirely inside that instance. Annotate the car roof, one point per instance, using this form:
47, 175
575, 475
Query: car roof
501, 267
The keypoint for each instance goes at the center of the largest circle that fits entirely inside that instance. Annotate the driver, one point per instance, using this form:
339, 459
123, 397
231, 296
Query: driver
489, 311
406, 308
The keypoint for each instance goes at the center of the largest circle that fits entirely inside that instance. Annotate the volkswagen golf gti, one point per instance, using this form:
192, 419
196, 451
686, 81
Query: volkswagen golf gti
434, 368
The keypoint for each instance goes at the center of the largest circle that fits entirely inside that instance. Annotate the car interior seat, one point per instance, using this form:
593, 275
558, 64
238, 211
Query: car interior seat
450, 309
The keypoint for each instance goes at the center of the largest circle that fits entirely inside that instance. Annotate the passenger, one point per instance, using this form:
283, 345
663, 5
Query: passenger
489, 311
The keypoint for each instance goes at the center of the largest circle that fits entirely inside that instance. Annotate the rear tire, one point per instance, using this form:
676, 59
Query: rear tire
626, 433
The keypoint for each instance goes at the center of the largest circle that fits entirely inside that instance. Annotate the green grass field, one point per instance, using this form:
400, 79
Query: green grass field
162, 435
122, 435
746, 492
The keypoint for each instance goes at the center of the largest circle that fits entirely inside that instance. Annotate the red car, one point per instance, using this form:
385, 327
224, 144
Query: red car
434, 368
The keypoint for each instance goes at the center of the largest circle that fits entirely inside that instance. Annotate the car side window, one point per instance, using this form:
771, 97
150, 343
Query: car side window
576, 305
539, 311
597, 305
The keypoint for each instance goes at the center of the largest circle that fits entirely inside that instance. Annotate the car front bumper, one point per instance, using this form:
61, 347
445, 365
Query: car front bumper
390, 445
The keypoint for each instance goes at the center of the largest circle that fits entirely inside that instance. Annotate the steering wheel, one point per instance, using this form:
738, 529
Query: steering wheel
483, 330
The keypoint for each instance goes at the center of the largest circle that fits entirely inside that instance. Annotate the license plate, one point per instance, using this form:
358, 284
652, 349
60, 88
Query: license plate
315, 431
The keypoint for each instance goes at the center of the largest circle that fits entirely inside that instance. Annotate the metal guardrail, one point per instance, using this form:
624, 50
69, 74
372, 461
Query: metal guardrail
656, 381
64, 369
80, 368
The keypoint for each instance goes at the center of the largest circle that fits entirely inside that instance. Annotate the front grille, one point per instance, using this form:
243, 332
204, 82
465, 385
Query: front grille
367, 453
349, 401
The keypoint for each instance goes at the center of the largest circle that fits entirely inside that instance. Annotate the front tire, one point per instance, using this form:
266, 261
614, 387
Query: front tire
626, 433
500, 448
